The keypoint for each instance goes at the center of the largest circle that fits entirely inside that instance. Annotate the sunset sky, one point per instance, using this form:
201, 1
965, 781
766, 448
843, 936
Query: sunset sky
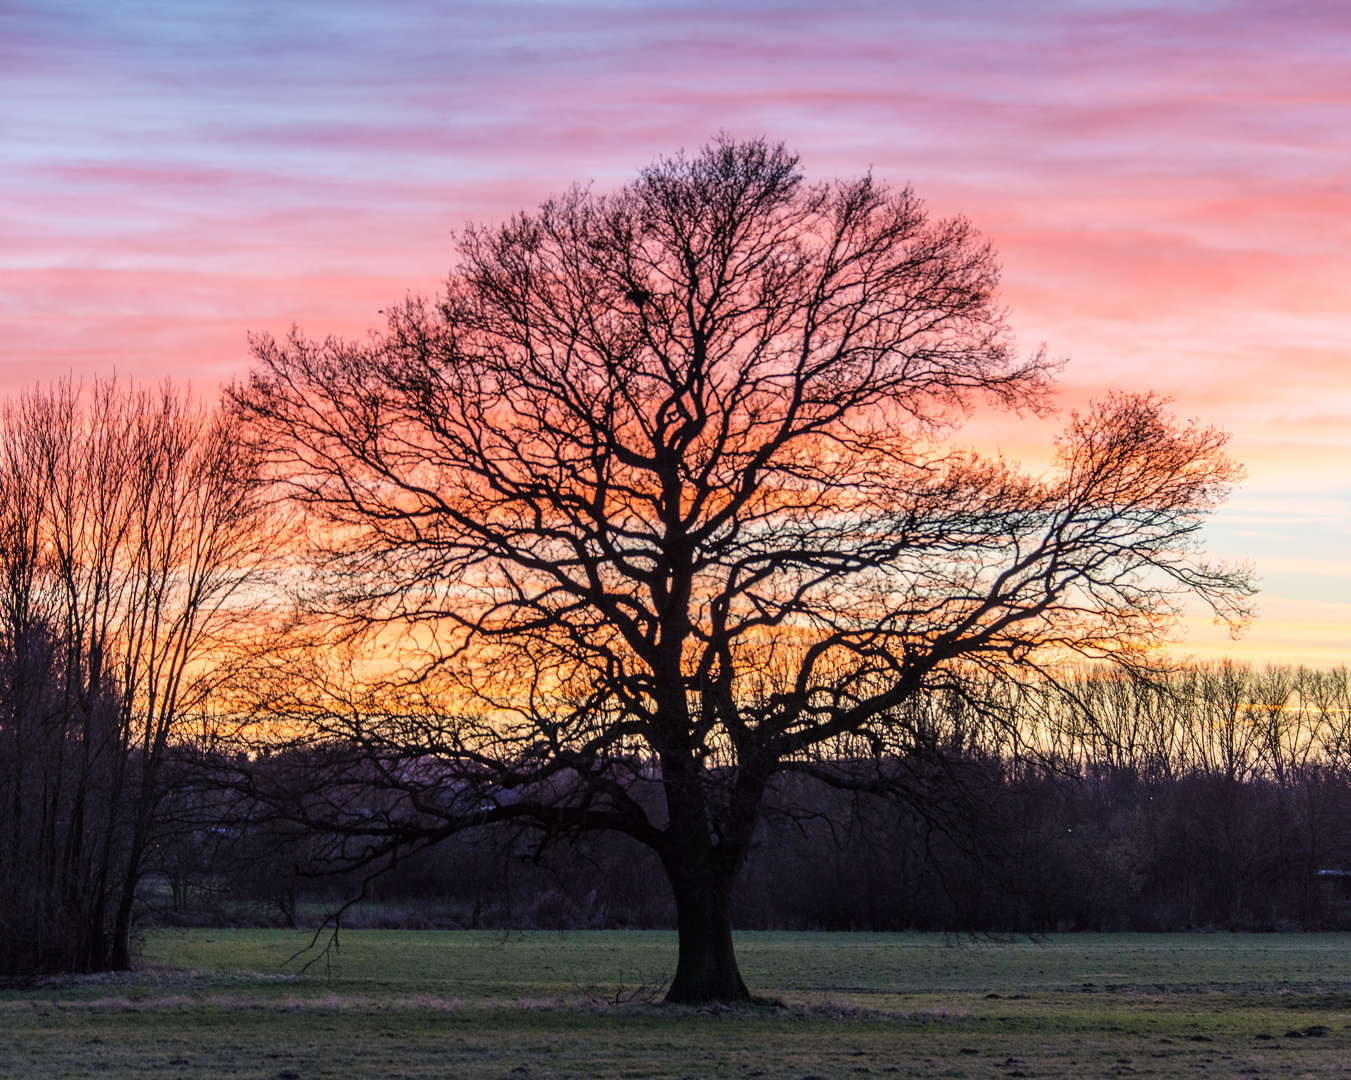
1168, 186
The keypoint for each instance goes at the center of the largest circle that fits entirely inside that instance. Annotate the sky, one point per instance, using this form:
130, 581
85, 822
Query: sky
1168, 186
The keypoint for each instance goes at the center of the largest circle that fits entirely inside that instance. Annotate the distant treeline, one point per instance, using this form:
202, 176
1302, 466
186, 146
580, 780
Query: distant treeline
1207, 797
135, 579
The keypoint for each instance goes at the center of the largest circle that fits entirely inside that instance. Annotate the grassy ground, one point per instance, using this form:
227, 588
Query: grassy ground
536, 1005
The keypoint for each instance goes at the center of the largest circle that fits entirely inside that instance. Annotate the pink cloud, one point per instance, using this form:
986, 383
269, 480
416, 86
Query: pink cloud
1169, 186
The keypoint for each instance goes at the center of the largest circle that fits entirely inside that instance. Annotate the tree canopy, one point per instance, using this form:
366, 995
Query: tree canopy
659, 500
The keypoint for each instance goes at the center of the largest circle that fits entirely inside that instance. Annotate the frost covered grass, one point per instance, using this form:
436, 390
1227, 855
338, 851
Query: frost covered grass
798, 966
424, 1004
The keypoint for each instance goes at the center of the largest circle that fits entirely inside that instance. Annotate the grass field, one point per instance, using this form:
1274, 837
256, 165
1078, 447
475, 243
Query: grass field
536, 1005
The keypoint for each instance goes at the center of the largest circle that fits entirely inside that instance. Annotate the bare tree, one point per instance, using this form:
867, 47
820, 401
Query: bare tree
131, 533
657, 497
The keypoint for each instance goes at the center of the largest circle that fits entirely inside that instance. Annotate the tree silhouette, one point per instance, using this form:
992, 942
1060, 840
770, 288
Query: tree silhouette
656, 502
129, 545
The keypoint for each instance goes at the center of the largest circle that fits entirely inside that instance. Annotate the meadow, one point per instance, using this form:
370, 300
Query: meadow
206, 1003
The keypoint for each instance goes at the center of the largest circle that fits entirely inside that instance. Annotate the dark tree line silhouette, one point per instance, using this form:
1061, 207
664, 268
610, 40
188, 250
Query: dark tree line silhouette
1207, 797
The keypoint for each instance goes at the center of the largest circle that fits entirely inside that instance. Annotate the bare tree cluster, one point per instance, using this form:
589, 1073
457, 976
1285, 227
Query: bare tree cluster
128, 532
1223, 719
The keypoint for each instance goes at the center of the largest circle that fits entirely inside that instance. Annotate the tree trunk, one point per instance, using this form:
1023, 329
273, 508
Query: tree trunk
707, 969
120, 955
702, 864
120, 958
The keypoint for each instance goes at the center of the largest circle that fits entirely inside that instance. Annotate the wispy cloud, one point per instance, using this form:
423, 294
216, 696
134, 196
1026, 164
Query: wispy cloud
1169, 185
